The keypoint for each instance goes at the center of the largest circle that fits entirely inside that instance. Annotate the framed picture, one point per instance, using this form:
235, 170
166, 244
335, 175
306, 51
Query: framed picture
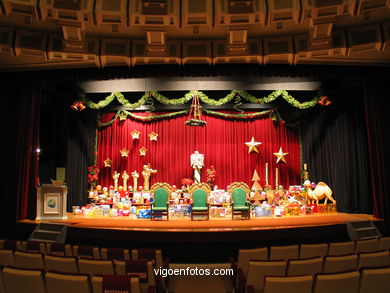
52, 203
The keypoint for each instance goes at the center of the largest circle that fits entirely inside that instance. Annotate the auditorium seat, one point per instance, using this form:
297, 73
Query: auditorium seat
341, 263
309, 266
96, 266
313, 250
346, 282
33, 260
34, 246
257, 270
59, 249
2, 290
245, 255
115, 282
155, 255
10, 244
384, 243
115, 253
67, 283
368, 245
374, 259
61, 263
284, 252
296, 284
341, 248
86, 251
7, 257
17, 280
374, 280
141, 268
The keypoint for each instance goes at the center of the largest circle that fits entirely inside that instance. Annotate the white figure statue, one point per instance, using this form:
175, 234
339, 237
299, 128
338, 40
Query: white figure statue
197, 162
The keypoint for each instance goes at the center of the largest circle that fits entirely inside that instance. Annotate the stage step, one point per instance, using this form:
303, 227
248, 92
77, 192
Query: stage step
359, 230
48, 232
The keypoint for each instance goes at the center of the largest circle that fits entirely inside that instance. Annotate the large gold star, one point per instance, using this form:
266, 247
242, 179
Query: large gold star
281, 156
124, 152
142, 151
252, 145
107, 162
135, 134
153, 136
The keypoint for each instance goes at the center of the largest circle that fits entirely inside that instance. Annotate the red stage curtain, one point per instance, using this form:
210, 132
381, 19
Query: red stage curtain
221, 141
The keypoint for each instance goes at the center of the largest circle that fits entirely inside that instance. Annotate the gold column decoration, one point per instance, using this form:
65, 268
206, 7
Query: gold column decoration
146, 173
115, 176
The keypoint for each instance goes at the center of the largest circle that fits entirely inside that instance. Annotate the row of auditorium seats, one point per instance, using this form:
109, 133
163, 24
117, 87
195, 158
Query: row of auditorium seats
79, 251
366, 281
17, 280
304, 251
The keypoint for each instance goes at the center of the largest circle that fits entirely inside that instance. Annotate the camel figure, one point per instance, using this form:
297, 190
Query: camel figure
321, 191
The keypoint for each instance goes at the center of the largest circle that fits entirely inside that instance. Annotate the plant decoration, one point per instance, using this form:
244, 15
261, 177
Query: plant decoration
93, 175
236, 95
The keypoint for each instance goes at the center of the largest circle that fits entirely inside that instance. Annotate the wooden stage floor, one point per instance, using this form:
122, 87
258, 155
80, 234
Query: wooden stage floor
264, 223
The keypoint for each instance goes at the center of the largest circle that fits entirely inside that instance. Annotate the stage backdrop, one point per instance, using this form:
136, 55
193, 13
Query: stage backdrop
221, 141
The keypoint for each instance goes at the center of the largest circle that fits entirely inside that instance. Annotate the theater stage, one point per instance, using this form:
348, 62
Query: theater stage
213, 240
262, 223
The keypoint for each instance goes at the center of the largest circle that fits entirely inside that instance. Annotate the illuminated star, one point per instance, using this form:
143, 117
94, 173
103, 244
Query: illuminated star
124, 152
252, 145
107, 162
142, 151
153, 136
122, 116
135, 134
281, 156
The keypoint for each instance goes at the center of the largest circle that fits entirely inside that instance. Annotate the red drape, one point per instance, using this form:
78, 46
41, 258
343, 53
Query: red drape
221, 141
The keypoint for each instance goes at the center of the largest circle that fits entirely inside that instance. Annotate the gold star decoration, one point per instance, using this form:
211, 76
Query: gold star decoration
142, 151
281, 156
122, 116
253, 145
124, 152
153, 136
135, 134
107, 162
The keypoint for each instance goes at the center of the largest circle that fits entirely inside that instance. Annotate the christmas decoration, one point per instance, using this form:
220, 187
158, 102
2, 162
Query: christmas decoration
280, 156
149, 95
210, 176
125, 177
256, 187
93, 175
135, 176
146, 173
322, 190
196, 112
142, 151
78, 106
122, 116
124, 152
115, 176
324, 101
153, 136
252, 145
107, 162
135, 134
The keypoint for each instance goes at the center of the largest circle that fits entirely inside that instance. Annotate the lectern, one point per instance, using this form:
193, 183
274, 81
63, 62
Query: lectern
51, 202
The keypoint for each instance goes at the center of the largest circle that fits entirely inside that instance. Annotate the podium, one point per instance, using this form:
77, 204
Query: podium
51, 202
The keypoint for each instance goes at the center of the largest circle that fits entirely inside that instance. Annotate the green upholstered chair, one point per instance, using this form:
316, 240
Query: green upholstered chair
161, 193
200, 205
240, 205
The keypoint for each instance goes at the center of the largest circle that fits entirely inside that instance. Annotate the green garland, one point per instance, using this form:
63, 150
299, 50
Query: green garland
274, 115
148, 97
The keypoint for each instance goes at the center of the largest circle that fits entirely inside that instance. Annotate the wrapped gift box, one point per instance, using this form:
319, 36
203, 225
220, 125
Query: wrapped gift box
332, 208
322, 208
311, 209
